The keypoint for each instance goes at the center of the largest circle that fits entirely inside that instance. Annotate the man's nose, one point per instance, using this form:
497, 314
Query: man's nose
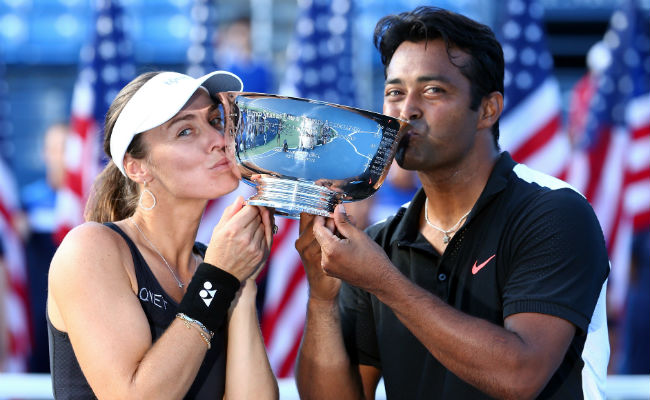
411, 107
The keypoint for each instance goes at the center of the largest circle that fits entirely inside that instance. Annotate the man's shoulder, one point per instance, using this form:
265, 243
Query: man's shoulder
383, 230
530, 176
535, 189
537, 204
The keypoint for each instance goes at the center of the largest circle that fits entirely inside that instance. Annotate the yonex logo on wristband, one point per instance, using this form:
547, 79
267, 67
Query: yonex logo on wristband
207, 294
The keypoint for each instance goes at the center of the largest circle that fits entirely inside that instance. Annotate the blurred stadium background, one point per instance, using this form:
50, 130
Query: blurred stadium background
42, 58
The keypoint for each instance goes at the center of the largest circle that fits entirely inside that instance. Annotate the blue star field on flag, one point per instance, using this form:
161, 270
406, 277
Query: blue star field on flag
627, 76
528, 61
201, 53
5, 127
108, 62
320, 55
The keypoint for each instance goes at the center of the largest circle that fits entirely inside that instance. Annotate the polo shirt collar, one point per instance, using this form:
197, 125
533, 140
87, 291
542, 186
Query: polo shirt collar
407, 229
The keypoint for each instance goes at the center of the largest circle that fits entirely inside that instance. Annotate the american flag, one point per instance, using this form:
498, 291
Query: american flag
200, 61
320, 67
612, 164
531, 124
105, 67
15, 302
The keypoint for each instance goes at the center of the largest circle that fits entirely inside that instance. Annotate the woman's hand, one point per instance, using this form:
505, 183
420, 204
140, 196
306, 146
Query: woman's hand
240, 242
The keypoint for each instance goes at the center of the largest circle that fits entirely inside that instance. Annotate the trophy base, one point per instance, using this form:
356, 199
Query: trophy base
289, 198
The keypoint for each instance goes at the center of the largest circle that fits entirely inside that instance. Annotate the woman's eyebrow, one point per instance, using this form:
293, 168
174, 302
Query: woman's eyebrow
189, 116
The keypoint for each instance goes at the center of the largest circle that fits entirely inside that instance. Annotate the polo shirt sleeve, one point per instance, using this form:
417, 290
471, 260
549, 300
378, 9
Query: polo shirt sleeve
558, 259
357, 322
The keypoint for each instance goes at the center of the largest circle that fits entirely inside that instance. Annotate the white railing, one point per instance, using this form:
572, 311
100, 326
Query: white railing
39, 386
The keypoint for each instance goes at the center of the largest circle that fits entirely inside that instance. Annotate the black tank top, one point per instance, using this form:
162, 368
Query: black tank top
68, 381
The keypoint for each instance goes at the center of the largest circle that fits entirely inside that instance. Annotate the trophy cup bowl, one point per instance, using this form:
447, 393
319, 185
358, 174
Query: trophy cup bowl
305, 155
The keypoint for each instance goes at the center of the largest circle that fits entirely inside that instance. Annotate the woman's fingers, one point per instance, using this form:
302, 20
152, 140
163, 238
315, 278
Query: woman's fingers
268, 220
232, 209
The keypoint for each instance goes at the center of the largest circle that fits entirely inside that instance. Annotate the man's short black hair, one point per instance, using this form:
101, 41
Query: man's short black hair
485, 69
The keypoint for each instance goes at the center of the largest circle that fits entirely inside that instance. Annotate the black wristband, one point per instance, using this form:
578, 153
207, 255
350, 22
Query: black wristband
209, 295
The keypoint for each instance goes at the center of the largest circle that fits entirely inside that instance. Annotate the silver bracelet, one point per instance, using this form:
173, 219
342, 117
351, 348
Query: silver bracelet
197, 323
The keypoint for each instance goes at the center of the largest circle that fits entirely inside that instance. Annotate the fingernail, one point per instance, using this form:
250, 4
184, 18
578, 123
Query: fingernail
342, 209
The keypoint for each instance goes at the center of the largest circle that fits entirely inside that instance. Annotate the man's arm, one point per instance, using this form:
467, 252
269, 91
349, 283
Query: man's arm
323, 367
514, 361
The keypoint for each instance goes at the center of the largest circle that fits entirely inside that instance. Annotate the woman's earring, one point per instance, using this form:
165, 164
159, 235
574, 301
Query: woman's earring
153, 198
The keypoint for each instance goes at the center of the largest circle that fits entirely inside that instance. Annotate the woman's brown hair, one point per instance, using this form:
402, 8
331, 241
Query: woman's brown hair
113, 196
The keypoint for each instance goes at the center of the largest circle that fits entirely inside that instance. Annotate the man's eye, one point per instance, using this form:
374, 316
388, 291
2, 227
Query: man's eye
216, 121
434, 89
392, 92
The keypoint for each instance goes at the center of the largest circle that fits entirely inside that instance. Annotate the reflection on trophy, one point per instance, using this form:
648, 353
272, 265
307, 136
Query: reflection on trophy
308, 156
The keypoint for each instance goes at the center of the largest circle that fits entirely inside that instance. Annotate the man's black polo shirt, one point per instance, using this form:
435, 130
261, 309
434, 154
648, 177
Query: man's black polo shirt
530, 244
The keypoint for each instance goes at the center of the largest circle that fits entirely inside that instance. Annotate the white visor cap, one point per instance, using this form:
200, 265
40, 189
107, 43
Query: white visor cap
158, 100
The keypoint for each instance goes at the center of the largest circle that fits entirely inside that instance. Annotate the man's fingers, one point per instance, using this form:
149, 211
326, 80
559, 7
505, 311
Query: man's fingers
342, 221
322, 234
305, 221
330, 224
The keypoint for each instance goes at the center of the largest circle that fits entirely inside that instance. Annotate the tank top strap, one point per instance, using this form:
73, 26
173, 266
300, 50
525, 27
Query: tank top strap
139, 263
143, 273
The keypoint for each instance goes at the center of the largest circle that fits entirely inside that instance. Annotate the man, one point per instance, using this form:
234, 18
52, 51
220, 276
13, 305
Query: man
486, 283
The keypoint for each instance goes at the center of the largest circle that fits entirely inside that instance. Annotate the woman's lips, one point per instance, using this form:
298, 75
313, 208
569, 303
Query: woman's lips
221, 164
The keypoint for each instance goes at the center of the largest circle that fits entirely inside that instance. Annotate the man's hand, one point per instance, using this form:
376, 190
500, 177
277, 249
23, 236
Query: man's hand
321, 286
350, 254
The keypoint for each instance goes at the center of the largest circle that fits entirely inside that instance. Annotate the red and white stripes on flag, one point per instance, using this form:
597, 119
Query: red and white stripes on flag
533, 134
637, 179
320, 68
13, 284
105, 67
285, 303
614, 175
282, 283
16, 299
82, 155
611, 165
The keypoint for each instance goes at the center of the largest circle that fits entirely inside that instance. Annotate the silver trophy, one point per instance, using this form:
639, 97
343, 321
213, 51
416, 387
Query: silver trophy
306, 155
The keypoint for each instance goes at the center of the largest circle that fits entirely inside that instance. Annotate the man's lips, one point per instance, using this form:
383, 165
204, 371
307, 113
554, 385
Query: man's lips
400, 153
414, 130
416, 127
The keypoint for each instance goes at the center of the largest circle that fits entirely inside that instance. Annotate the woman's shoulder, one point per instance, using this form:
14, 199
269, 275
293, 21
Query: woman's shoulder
88, 247
90, 236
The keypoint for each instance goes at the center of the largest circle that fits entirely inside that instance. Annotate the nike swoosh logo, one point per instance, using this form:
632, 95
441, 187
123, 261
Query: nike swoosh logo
477, 268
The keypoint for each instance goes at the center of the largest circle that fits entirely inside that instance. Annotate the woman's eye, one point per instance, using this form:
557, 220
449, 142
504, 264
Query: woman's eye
185, 132
216, 121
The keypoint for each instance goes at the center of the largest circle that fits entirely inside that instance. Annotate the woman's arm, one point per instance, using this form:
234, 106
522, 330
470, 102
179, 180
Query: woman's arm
91, 298
248, 372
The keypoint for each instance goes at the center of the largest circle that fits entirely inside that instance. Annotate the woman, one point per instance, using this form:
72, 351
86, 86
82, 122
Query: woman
137, 309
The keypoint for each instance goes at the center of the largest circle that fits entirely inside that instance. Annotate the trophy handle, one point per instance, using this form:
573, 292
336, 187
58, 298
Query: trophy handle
292, 197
